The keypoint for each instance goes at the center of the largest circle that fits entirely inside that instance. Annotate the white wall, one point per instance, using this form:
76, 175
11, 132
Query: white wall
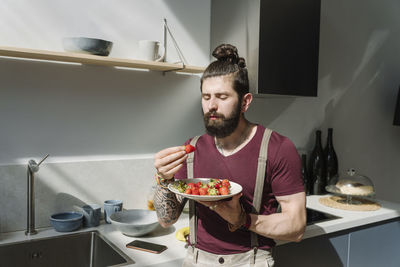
77, 113
83, 115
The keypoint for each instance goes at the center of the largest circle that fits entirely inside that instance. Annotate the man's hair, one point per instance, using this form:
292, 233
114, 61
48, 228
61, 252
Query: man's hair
229, 63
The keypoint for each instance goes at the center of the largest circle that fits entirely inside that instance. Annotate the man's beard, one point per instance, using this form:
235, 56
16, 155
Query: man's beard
222, 127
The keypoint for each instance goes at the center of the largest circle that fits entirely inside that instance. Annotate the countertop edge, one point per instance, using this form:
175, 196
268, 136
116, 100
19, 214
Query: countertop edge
176, 249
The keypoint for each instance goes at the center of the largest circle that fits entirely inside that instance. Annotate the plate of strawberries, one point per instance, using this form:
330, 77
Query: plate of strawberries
205, 189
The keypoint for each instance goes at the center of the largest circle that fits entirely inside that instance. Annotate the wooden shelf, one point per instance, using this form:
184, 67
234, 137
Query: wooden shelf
95, 60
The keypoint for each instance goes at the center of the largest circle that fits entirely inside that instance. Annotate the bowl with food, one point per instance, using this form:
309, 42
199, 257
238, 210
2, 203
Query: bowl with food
205, 189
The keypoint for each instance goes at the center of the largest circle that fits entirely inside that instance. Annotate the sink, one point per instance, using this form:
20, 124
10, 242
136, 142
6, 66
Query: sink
314, 216
89, 249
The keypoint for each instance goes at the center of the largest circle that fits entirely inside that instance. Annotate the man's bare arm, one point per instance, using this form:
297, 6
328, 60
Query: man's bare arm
288, 225
168, 206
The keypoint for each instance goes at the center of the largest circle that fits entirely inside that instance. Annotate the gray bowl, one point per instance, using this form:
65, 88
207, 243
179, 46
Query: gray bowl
87, 45
66, 221
135, 222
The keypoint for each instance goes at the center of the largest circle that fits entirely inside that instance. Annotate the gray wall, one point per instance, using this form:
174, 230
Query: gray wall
359, 77
87, 114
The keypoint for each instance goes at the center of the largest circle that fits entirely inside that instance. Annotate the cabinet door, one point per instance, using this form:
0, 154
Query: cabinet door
289, 47
326, 251
376, 246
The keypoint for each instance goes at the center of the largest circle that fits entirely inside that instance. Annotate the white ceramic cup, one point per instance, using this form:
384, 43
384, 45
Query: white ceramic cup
149, 50
111, 206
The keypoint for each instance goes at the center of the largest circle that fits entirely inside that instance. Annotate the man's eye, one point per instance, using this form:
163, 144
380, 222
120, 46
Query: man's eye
223, 97
206, 97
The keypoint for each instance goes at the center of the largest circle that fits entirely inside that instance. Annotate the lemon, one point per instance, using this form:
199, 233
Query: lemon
182, 233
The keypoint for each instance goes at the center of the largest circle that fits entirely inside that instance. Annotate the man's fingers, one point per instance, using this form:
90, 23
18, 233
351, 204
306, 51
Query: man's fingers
171, 172
165, 152
169, 162
169, 159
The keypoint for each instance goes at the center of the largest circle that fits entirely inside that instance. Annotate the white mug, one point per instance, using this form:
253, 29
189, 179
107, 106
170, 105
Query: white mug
149, 50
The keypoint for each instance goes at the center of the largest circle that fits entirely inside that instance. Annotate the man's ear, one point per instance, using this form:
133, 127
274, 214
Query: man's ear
246, 101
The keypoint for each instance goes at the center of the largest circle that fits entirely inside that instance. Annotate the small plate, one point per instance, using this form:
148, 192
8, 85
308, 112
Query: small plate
235, 189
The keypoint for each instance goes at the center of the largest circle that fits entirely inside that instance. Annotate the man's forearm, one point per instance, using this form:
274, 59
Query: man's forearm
168, 206
278, 226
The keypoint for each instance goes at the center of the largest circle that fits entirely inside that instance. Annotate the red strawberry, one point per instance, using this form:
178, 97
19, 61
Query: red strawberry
195, 191
224, 190
226, 183
188, 191
191, 186
203, 191
189, 148
217, 185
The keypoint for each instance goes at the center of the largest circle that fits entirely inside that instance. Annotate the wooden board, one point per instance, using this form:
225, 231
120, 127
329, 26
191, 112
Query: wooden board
95, 60
335, 202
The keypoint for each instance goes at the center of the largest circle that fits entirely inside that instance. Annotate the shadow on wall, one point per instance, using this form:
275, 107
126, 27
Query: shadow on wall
47, 200
359, 70
69, 110
358, 75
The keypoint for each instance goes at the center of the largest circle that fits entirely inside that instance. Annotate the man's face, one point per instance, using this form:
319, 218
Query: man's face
221, 106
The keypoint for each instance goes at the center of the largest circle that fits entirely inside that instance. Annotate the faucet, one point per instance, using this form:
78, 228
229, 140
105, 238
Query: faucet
32, 168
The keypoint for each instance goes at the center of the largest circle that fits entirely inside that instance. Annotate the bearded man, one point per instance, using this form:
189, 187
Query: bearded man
242, 230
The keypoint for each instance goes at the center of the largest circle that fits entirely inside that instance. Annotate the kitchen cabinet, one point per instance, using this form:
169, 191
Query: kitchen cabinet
325, 250
95, 60
278, 39
375, 246
367, 246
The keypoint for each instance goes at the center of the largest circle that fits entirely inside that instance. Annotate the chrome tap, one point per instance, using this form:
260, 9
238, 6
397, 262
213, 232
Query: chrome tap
32, 168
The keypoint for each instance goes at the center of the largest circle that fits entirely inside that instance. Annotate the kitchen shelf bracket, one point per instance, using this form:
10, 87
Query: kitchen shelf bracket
178, 50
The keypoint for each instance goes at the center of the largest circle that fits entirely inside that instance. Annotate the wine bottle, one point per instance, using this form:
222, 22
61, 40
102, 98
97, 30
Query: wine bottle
330, 158
317, 167
304, 174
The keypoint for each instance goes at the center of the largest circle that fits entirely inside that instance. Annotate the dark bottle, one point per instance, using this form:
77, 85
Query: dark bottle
317, 168
304, 174
330, 158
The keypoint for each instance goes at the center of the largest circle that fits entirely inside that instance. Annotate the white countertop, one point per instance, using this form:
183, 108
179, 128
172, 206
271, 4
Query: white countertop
349, 219
176, 249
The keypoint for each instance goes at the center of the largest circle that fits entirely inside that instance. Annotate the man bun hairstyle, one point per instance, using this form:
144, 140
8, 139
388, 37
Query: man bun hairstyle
229, 63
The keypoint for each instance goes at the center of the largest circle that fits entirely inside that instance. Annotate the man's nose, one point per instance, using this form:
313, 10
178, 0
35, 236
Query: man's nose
212, 105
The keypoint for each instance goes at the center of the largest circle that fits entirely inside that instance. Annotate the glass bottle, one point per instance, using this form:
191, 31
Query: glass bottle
317, 167
304, 174
330, 158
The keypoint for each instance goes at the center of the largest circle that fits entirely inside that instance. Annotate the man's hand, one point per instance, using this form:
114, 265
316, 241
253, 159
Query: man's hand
229, 210
169, 161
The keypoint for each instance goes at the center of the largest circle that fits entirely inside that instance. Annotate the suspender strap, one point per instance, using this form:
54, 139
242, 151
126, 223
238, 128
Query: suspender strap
192, 203
258, 190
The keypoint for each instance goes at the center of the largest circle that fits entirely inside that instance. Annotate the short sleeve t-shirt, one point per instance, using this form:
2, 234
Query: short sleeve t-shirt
283, 177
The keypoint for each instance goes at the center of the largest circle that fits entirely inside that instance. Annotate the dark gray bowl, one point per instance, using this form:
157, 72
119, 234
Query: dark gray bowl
135, 222
87, 45
66, 221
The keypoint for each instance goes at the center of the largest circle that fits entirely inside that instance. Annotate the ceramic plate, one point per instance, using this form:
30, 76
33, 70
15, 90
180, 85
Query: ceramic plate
235, 189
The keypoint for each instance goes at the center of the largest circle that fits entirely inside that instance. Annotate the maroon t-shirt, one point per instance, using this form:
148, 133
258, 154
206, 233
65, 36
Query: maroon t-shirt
283, 177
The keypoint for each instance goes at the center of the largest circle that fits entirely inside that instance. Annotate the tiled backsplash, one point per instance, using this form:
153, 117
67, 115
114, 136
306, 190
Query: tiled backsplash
66, 186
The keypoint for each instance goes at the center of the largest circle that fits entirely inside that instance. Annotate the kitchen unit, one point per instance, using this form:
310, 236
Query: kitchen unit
278, 39
348, 239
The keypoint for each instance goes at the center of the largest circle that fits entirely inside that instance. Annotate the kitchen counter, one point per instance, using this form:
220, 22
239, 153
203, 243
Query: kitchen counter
348, 219
176, 251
